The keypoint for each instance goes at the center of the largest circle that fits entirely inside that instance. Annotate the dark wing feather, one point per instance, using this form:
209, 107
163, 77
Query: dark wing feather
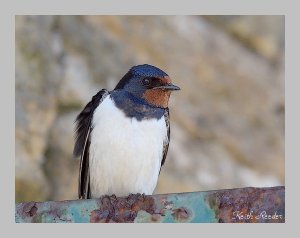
82, 141
167, 140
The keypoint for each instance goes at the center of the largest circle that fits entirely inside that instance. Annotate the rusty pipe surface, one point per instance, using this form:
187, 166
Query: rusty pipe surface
241, 205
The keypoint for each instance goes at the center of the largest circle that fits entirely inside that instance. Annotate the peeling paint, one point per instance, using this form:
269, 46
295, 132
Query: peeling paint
243, 205
249, 205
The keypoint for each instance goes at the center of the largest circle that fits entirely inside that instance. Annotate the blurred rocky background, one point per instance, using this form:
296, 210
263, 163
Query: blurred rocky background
227, 121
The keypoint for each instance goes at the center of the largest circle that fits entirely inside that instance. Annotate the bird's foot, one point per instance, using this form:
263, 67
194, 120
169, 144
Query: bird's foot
105, 199
108, 199
113, 197
136, 196
143, 195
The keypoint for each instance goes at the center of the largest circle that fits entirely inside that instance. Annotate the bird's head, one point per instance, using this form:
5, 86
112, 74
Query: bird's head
149, 83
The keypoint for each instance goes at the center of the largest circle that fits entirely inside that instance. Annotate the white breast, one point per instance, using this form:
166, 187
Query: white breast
125, 154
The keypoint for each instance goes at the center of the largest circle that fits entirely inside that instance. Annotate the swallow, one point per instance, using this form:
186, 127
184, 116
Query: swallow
122, 136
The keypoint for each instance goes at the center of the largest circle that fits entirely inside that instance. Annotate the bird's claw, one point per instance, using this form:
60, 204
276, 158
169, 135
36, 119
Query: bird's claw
136, 196
107, 199
113, 197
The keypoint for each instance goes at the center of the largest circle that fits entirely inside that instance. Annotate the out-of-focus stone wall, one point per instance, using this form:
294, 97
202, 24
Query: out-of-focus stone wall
227, 122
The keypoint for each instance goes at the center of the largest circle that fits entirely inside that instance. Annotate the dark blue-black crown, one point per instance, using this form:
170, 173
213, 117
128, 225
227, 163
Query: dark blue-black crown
144, 70
147, 70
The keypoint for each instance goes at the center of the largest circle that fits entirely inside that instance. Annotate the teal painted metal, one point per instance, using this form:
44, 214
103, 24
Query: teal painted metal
230, 205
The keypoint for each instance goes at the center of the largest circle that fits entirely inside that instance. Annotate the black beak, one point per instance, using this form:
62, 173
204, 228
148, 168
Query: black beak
168, 86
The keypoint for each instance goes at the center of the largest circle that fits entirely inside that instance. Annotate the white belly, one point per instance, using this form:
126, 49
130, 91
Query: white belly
125, 154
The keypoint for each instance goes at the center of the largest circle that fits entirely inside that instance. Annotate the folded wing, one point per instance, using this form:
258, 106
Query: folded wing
83, 129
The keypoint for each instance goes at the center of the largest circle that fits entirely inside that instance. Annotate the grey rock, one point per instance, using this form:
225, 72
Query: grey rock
60, 167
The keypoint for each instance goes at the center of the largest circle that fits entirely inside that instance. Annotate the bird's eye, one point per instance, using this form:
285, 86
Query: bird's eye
146, 81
